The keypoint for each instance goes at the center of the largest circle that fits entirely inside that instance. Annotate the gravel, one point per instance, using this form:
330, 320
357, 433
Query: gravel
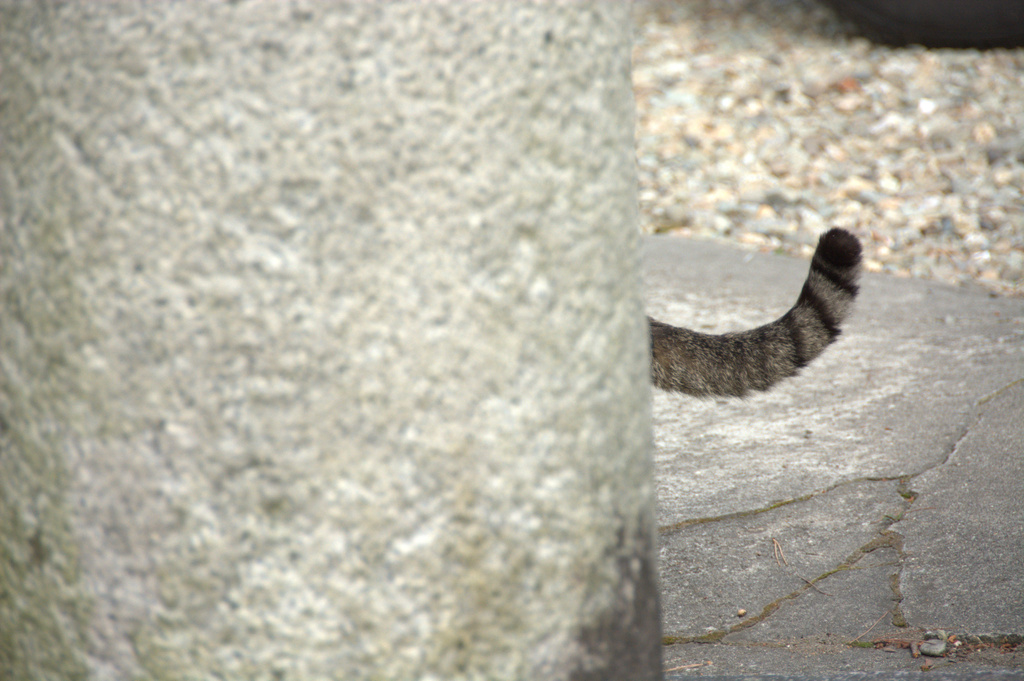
765, 122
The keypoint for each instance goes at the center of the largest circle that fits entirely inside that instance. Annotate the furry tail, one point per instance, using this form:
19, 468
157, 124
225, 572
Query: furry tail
734, 364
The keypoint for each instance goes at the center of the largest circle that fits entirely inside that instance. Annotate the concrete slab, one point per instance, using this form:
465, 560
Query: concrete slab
978, 674
878, 494
964, 541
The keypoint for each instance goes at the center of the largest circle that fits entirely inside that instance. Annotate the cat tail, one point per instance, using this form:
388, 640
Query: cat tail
734, 364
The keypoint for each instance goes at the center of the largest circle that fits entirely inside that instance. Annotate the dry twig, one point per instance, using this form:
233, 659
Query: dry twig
871, 627
811, 584
705, 663
777, 548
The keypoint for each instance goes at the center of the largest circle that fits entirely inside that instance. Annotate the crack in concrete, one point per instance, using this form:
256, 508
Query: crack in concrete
974, 416
886, 538
690, 522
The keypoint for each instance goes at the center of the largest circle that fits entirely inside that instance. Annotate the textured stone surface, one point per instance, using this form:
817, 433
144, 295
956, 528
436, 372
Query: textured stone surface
322, 348
872, 497
976, 507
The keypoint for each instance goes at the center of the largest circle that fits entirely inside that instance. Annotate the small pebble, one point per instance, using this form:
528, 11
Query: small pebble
933, 648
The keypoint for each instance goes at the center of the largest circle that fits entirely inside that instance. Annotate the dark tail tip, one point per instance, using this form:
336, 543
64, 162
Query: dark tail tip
839, 248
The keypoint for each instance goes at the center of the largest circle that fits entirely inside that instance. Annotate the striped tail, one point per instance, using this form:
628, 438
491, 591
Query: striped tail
734, 364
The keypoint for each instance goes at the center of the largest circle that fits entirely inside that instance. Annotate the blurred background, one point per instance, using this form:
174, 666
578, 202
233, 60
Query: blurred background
765, 122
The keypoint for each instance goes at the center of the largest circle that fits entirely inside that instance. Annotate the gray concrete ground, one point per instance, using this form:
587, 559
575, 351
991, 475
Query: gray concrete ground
877, 495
